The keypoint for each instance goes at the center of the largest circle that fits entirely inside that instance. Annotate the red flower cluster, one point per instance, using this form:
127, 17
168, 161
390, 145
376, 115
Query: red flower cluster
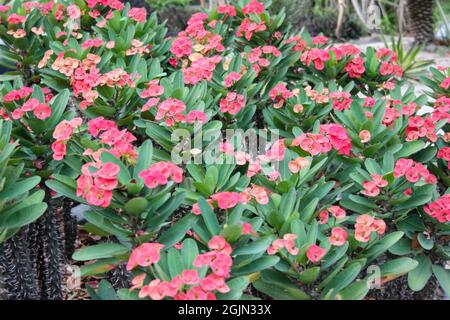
188, 285
365, 225
279, 94
338, 136
62, 133
40, 110
341, 100
413, 171
159, 174
96, 186
419, 127
439, 209
444, 153
232, 103
371, 188
287, 242
119, 141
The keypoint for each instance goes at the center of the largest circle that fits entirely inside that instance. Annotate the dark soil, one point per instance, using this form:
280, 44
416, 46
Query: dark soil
398, 290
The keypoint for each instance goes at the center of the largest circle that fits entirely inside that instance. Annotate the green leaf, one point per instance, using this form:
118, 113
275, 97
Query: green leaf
398, 267
58, 106
382, 245
209, 217
188, 252
100, 251
356, 291
280, 292
410, 148
443, 276
427, 244
418, 278
257, 265
254, 247
18, 188
342, 279
106, 291
25, 215
177, 231
144, 160
309, 275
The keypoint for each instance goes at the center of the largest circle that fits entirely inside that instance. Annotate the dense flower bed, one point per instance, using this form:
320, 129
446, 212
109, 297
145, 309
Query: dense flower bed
157, 136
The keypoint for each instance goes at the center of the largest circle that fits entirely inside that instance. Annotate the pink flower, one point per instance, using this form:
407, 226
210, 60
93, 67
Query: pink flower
365, 136
226, 200
379, 181
439, 209
323, 217
247, 229
370, 189
181, 47
144, 255
355, 67
196, 115
232, 103
315, 253
338, 236
341, 100
365, 225
312, 143
42, 111
74, 12
138, 14
59, 150
227, 10
318, 40
253, 7
337, 212
445, 84
159, 174
190, 277
249, 27
218, 243
297, 164
231, 78
287, 242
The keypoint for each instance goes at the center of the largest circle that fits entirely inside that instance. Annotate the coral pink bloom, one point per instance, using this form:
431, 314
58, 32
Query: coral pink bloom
218, 243
247, 229
370, 189
138, 281
145, 255
338, 236
227, 10
98, 197
138, 14
226, 200
190, 277
297, 164
231, 78
379, 181
379, 226
362, 234
323, 217
365, 136
315, 253
196, 115
365, 220
59, 150
42, 111
253, 7
337, 212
